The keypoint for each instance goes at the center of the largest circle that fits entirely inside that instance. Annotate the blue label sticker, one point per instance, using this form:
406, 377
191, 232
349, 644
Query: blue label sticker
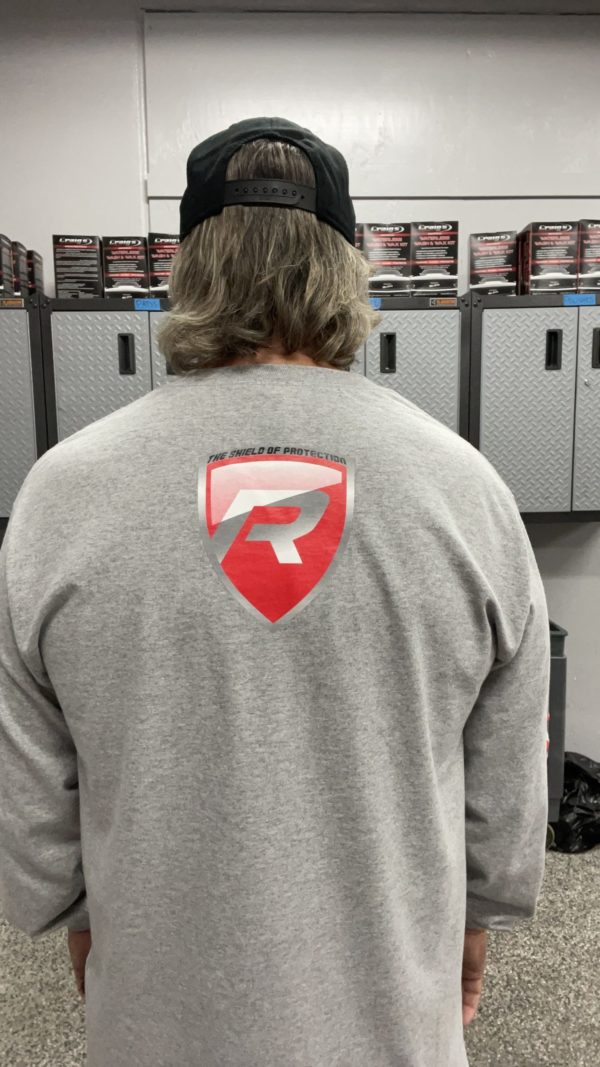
579, 299
146, 304
375, 302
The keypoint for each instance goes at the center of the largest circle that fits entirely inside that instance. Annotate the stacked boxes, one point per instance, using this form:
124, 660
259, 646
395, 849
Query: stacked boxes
77, 266
589, 255
411, 258
125, 264
19, 260
387, 248
548, 257
35, 272
162, 249
434, 258
6, 267
493, 263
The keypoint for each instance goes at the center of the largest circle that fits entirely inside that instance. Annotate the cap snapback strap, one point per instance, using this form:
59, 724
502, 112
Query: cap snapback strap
270, 191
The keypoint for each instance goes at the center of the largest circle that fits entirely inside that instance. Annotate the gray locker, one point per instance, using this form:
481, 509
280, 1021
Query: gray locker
417, 353
101, 362
527, 400
18, 448
586, 461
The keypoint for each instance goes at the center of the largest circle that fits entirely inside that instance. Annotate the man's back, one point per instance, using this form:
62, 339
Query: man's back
273, 815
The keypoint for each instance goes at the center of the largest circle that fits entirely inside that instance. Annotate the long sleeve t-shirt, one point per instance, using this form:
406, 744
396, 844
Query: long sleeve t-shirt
274, 669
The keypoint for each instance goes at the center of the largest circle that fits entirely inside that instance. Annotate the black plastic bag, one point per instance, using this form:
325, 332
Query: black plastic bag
578, 826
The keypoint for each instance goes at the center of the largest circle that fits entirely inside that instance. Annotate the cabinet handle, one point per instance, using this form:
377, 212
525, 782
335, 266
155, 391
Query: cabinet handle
126, 343
554, 340
387, 353
596, 349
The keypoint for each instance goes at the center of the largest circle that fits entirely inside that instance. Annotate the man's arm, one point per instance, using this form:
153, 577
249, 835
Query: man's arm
41, 878
505, 744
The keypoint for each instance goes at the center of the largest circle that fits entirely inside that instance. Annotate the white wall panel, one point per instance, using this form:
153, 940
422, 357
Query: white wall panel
420, 105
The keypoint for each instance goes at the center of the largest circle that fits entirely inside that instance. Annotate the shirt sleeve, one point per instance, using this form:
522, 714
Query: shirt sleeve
41, 877
505, 746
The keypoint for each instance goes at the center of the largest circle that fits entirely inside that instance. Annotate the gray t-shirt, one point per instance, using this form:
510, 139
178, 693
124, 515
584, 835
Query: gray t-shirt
274, 669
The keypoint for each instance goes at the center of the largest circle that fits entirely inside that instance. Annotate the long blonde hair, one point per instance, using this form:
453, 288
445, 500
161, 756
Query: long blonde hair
257, 276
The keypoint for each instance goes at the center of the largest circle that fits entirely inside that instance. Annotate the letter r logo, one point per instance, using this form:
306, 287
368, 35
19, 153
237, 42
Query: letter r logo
273, 527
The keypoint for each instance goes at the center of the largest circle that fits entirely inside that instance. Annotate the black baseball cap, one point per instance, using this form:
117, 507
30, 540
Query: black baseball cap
208, 192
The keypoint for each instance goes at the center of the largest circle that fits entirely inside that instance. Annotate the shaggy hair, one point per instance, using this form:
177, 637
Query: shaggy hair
254, 277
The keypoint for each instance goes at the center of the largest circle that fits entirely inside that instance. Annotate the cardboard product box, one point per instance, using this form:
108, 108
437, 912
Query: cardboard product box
77, 266
589, 255
125, 262
35, 272
6, 267
387, 247
493, 263
162, 249
19, 260
548, 257
434, 257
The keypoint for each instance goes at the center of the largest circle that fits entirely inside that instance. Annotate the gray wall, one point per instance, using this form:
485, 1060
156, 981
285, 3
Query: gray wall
74, 128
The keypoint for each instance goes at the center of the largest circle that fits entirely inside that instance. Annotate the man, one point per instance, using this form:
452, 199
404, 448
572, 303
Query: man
274, 668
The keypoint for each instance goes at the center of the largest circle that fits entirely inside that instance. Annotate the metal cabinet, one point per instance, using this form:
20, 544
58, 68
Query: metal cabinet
528, 362
100, 361
416, 350
22, 411
535, 400
586, 459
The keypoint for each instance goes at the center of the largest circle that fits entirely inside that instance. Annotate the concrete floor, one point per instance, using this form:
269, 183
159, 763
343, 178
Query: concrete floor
541, 1005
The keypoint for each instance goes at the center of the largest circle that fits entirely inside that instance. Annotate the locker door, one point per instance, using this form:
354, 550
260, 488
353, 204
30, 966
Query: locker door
586, 464
161, 375
18, 450
417, 353
101, 362
528, 360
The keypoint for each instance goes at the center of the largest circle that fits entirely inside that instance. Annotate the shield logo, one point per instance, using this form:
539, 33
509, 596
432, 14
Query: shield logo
274, 526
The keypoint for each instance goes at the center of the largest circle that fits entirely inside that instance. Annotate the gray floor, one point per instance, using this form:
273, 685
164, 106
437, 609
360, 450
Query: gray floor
541, 1006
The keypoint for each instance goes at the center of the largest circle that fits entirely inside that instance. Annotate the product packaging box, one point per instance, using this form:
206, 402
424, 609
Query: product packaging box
548, 257
387, 248
35, 272
589, 255
77, 266
434, 258
493, 263
6, 267
162, 249
19, 259
125, 262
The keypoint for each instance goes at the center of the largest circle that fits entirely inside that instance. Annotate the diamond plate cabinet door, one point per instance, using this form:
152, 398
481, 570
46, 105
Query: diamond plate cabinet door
528, 362
17, 418
161, 375
586, 461
417, 354
101, 363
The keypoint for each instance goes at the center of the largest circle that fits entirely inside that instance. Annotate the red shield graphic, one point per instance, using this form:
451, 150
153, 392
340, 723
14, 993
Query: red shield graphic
274, 525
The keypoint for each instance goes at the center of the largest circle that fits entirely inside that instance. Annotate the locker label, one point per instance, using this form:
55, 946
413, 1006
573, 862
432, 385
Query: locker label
375, 302
443, 302
11, 302
579, 299
146, 304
